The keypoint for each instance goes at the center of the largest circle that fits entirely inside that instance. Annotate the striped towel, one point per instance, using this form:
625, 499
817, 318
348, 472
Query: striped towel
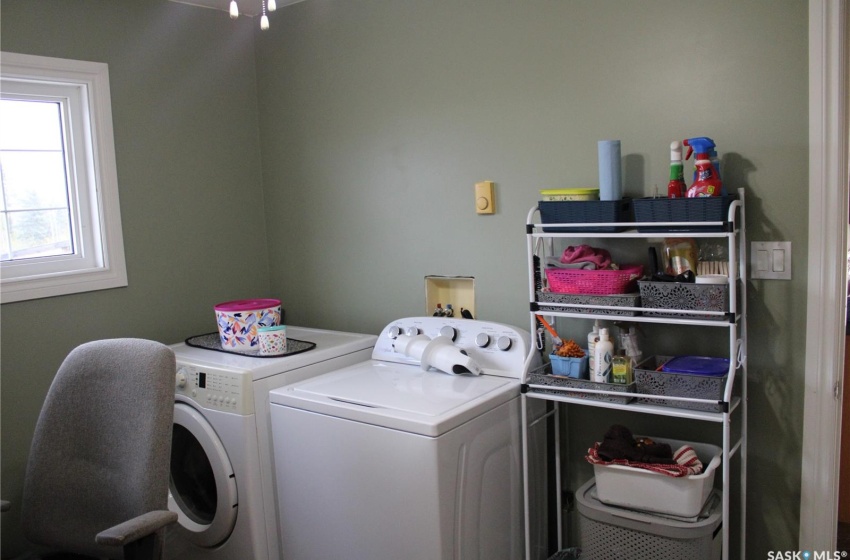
687, 462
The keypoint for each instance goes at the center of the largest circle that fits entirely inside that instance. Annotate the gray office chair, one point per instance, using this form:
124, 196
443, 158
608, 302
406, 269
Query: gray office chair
97, 477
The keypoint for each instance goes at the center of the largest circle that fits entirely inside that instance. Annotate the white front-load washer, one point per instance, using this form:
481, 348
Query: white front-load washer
222, 483
392, 459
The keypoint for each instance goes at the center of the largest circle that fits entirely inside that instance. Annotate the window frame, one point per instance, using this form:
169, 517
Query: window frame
98, 263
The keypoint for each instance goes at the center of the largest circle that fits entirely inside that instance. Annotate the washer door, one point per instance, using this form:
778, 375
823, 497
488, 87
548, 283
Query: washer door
202, 486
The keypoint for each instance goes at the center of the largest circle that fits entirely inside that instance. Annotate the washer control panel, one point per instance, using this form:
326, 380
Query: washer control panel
498, 348
215, 389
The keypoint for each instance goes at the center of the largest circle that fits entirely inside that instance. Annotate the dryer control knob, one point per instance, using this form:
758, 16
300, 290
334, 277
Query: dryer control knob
504, 343
181, 380
395, 332
449, 332
482, 340
411, 331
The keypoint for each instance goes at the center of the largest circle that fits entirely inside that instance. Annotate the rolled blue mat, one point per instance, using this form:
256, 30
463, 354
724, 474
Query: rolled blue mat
610, 170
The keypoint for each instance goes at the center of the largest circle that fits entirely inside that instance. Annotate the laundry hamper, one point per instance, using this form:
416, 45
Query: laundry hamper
610, 533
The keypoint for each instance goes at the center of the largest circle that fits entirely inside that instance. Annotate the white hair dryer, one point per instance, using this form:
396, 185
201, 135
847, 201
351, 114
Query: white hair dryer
439, 353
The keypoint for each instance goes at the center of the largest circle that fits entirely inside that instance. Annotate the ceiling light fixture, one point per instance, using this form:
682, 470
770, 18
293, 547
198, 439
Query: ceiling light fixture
269, 5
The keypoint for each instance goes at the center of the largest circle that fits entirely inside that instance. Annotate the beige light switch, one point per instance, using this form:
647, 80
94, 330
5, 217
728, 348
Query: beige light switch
485, 201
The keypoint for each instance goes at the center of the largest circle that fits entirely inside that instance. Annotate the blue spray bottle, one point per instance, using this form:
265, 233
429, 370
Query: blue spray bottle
707, 172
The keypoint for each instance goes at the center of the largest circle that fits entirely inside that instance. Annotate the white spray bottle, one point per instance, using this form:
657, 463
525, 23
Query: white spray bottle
592, 337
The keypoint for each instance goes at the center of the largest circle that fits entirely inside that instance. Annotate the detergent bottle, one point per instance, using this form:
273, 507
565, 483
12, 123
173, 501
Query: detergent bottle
706, 177
676, 187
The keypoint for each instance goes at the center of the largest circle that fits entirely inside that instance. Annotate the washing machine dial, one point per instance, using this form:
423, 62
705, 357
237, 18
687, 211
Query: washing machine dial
395, 332
482, 340
504, 343
412, 331
181, 379
449, 332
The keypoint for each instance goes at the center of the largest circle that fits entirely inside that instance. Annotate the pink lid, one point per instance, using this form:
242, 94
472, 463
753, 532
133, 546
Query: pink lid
247, 305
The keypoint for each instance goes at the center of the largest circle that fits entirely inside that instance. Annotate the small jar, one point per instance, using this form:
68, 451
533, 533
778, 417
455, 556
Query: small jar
272, 340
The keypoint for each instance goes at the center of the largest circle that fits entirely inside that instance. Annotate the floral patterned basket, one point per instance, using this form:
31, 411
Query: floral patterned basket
684, 296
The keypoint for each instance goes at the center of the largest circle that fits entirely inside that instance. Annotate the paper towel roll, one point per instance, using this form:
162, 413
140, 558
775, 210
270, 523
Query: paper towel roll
610, 170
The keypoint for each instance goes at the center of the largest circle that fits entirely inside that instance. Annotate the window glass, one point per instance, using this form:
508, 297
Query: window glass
33, 182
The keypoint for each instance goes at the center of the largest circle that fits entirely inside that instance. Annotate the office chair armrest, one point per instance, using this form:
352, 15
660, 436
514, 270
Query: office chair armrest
5, 505
136, 528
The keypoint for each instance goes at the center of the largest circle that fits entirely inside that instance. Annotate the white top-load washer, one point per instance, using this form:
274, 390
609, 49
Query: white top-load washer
394, 458
222, 474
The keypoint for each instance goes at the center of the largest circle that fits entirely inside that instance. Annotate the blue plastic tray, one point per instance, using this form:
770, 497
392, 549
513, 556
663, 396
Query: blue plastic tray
697, 365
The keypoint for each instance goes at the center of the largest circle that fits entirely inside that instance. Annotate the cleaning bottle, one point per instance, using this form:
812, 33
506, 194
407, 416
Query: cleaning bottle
604, 353
592, 337
621, 368
706, 177
715, 161
632, 347
676, 187
702, 145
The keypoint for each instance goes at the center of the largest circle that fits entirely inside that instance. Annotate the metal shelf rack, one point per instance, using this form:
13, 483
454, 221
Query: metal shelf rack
735, 392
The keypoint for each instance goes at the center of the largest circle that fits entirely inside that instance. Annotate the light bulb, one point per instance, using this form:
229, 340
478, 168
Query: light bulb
234, 10
272, 5
264, 22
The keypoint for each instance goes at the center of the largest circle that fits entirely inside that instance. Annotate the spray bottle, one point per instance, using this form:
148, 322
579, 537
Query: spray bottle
592, 337
676, 187
703, 145
707, 178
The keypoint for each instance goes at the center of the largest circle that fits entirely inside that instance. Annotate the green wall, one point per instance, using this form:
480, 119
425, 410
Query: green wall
184, 106
376, 117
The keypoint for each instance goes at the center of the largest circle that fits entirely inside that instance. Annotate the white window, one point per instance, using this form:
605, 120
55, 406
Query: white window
60, 223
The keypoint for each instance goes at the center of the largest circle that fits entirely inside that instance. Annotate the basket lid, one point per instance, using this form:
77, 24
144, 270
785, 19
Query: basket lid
247, 305
697, 365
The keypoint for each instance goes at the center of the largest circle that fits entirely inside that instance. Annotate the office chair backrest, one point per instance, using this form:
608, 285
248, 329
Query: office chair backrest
101, 448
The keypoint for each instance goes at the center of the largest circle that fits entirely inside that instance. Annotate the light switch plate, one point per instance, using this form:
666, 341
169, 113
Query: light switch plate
770, 260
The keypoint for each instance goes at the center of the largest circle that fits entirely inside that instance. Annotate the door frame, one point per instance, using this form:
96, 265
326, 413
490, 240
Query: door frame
827, 276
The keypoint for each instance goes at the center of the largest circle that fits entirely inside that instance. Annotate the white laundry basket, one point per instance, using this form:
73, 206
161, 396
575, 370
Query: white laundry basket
645, 490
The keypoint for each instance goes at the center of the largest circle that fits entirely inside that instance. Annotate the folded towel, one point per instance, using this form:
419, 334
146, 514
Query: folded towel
585, 253
555, 262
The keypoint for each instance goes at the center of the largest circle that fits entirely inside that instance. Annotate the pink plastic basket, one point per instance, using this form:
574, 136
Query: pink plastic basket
599, 282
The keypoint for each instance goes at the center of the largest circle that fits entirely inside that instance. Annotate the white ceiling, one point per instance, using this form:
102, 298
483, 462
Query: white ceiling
246, 7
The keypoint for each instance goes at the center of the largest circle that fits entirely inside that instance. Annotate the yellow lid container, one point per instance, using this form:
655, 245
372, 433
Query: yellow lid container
584, 193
